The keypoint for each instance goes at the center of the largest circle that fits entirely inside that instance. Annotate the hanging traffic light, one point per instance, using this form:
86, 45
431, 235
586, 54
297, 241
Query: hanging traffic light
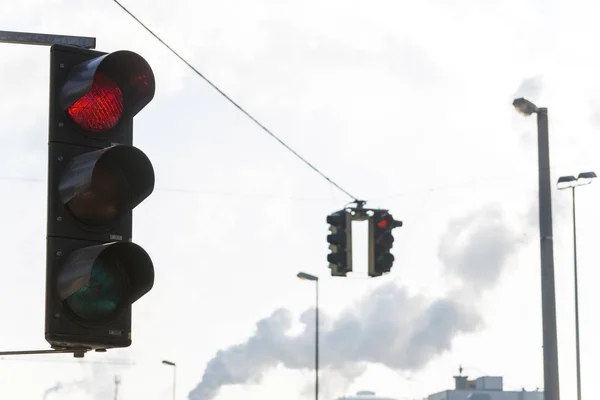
340, 243
381, 241
95, 178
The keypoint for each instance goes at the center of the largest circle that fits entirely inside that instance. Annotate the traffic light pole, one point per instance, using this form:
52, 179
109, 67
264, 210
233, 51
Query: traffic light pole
45, 39
78, 353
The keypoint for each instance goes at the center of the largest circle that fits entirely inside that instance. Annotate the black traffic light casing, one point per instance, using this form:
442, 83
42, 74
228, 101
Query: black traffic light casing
95, 178
381, 241
340, 243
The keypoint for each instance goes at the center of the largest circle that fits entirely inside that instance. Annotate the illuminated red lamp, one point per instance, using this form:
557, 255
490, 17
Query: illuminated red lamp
101, 108
383, 224
98, 93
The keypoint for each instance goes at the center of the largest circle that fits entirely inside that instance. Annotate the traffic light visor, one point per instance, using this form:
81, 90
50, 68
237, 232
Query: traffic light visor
97, 93
386, 221
337, 219
337, 258
337, 239
385, 241
386, 260
97, 282
97, 187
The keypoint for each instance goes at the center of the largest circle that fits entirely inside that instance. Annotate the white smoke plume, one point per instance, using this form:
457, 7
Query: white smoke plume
531, 88
476, 248
388, 326
98, 382
65, 387
52, 389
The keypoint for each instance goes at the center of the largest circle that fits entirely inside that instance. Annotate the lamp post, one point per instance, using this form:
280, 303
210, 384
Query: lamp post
172, 364
551, 384
308, 277
570, 182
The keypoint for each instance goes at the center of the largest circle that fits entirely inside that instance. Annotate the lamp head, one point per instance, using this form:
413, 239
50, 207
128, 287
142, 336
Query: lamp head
307, 277
524, 106
585, 178
565, 182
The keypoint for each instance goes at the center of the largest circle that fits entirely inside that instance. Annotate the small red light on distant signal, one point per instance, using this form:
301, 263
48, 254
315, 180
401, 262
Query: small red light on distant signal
100, 109
383, 224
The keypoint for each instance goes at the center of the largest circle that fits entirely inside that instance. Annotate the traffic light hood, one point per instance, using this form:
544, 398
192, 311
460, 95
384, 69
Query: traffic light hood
131, 73
131, 162
135, 263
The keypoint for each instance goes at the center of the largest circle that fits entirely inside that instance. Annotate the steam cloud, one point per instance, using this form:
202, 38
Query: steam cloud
52, 389
99, 383
64, 387
531, 87
410, 330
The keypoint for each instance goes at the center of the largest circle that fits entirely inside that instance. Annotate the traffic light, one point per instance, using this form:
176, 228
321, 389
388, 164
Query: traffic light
381, 241
340, 243
95, 178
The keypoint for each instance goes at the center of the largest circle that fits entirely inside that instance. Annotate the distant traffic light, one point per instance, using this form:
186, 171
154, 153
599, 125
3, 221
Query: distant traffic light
340, 243
381, 242
95, 178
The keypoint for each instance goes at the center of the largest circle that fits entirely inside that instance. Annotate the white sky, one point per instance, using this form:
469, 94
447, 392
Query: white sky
405, 104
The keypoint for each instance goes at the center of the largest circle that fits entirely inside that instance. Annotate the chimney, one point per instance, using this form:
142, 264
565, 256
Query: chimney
460, 382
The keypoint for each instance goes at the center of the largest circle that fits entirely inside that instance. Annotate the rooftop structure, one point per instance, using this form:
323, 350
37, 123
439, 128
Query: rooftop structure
484, 388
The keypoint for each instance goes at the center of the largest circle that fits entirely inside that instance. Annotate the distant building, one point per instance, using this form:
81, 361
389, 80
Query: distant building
483, 388
365, 395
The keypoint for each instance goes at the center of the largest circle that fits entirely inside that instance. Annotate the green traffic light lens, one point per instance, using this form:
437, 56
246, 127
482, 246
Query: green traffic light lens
103, 296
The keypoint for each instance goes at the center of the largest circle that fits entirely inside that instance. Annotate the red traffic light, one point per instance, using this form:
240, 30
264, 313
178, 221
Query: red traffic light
101, 108
383, 224
99, 92
386, 221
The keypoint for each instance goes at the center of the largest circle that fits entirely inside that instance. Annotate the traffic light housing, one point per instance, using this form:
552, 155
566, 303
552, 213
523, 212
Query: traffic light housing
95, 178
381, 241
340, 243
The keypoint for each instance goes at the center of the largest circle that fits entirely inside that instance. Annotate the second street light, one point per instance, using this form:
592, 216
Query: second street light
172, 364
570, 182
315, 279
550, 340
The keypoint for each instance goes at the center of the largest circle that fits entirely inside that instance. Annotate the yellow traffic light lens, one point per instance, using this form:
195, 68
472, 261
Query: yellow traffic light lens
105, 198
102, 298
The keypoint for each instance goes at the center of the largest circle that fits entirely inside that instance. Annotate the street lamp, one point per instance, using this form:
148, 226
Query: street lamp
551, 385
308, 277
570, 182
172, 364
525, 106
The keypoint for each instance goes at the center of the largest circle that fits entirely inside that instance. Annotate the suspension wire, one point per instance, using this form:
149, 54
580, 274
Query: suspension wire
263, 127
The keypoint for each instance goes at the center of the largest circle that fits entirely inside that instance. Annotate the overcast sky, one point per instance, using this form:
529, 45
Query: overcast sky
404, 104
